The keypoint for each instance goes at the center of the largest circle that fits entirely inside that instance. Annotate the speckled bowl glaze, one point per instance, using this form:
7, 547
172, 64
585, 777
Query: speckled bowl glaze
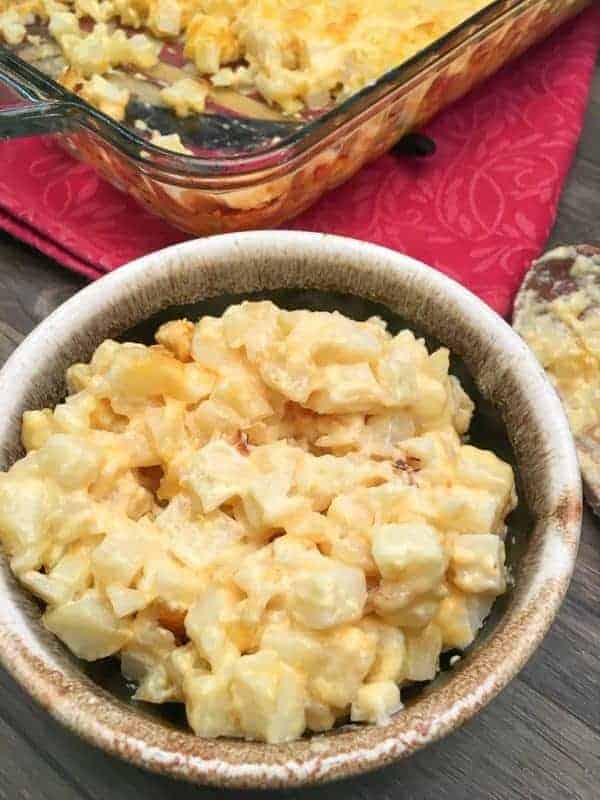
506, 374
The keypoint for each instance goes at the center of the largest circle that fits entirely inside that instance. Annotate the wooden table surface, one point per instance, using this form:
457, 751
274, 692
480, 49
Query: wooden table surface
539, 739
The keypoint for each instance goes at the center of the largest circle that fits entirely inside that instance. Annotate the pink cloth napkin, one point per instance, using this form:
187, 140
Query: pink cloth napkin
479, 209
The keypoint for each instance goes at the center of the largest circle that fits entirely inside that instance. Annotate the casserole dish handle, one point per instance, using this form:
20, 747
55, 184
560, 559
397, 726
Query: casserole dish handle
47, 110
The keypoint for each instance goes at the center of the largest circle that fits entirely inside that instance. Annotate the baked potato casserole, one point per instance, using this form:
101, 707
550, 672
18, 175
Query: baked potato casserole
271, 516
296, 55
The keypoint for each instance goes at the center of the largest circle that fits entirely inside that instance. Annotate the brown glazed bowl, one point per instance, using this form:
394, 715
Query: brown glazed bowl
518, 411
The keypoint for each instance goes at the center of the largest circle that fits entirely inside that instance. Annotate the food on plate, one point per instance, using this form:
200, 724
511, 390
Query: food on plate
295, 55
557, 312
270, 516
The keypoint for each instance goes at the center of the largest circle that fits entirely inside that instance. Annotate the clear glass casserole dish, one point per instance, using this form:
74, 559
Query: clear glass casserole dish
252, 168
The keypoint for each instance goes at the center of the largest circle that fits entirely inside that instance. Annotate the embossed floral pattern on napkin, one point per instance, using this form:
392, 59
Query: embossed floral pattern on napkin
479, 210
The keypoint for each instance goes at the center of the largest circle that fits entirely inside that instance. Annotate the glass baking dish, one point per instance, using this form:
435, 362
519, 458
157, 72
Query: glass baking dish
257, 170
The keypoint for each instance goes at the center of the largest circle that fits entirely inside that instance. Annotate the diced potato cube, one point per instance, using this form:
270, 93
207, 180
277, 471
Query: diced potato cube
348, 656
290, 552
157, 687
203, 542
254, 326
125, 601
107, 96
199, 382
72, 461
269, 698
462, 406
48, 589
482, 469
129, 497
433, 456
432, 397
206, 625
477, 563
326, 594
291, 378
302, 649
104, 418
166, 428
84, 519
438, 364
406, 347
217, 473
410, 552
74, 568
422, 654
210, 418
183, 661
350, 512
120, 557
186, 96
335, 339
177, 336
279, 459
337, 432
61, 23
136, 663
390, 657
346, 389
30, 559
88, 627
209, 705
209, 347
398, 379
79, 377
354, 549
260, 579
463, 509
38, 427
393, 502
398, 604
106, 352
335, 662
137, 374
267, 504
149, 637
376, 702
210, 42
165, 579
25, 504
321, 478
12, 28
74, 415
240, 389
383, 433
460, 616
165, 18
319, 716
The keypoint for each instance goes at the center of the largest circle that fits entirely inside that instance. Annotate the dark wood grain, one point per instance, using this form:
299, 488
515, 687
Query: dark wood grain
578, 218
539, 740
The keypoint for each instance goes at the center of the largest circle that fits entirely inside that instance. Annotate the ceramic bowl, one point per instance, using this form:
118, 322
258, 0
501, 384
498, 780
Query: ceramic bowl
515, 399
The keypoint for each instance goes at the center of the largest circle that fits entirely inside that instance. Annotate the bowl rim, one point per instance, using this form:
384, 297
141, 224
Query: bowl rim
212, 762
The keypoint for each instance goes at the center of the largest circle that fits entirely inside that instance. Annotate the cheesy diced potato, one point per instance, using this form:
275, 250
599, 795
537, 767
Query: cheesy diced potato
270, 517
